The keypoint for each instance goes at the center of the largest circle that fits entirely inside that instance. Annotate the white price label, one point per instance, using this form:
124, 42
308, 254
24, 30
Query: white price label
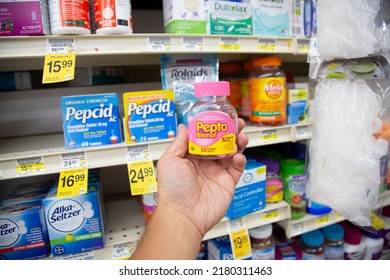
30, 166
159, 44
303, 132
138, 152
123, 251
84, 256
60, 45
229, 43
193, 44
297, 229
265, 44
74, 160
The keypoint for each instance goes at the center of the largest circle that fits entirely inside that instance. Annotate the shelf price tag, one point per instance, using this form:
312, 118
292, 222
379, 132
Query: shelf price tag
323, 220
193, 44
239, 239
267, 45
271, 215
123, 251
60, 60
141, 172
302, 132
30, 166
303, 46
159, 44
229, 43
297, 228
376, 222
269, 135
74, 160
73, 182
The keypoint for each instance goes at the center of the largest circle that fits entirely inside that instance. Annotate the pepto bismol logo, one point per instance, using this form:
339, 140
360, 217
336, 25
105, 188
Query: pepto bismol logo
9, 233
66, 215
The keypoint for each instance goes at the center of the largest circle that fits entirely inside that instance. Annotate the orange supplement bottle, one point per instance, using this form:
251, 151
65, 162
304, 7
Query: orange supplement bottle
231, 72
267, 86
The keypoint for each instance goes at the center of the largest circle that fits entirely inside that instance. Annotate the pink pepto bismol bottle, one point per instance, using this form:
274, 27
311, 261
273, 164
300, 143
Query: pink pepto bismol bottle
212, 122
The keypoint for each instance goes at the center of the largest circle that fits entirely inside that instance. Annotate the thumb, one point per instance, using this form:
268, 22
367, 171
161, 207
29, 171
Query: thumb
179, 146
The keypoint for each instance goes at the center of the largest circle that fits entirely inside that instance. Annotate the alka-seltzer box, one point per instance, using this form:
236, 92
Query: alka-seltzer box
229, 17
23, 232
24, 17
249, 195
272, 18
91, 120
75, 223
184, 17
149, 115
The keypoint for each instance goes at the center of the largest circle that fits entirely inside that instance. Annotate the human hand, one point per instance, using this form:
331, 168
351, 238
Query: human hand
198, 192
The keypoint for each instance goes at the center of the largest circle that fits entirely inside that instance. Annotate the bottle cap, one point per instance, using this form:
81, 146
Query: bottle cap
386, 211
272, 165
261, 232
352, 235
267, 61
333, 232
313, 238
221, 88
292, 166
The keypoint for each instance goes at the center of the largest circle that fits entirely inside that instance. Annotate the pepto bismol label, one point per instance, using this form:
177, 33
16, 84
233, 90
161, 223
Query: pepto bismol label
66, 215
8, 233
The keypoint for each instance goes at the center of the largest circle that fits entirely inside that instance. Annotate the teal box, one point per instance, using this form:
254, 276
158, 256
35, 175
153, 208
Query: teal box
249, 195
75, 223
23, 232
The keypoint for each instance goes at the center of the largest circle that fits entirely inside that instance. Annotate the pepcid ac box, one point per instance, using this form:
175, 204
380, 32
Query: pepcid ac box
91, 120
149, 115
23, 232
75, 223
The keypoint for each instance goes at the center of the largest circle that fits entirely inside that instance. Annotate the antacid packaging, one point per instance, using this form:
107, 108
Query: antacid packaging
91, 120
149, 115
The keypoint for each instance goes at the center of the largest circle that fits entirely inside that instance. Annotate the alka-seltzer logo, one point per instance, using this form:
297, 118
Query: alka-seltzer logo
158, 107
96, 113
9, 233
273, 89
66, 215
210, 130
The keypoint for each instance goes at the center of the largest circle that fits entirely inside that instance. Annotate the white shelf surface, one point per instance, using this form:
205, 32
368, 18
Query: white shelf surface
27, 52
50, 148
311, 222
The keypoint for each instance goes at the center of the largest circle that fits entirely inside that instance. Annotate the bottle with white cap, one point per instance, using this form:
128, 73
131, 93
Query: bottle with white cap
262, 243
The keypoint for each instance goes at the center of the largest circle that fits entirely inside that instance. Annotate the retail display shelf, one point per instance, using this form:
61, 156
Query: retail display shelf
27, 52
312, 222
125, 224
49, 149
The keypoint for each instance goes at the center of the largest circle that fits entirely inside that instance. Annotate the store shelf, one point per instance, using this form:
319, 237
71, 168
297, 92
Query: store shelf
125, 225
27, 52
312, 222
50, 148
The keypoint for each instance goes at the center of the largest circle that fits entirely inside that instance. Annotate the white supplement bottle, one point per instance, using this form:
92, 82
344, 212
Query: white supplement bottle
113, 17
373, 242
69, 17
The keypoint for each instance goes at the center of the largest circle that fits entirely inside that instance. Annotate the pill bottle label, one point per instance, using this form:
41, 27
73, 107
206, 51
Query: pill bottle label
386, 237
112, 13
334, 253
320, 256
354, 255
295, 194
211, 133
265, 254
274, 191
73, 13
268, 99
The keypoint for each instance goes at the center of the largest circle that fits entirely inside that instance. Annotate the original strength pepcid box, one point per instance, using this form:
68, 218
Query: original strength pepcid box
149, 115
91, 120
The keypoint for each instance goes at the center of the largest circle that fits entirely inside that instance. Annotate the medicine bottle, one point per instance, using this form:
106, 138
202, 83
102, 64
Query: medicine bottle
212, 122
113, 17
267, 87
231, 72
334, 242
294, 180
262, 243
312, 245
273, 183
385, 216
353, 247
245, 98
373, 243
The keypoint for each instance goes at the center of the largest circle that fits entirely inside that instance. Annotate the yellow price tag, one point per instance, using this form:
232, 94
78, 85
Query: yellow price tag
323, 220
376, 222
30, 167
241, 245
230, 47
271, 135
142, 177
58, 68
266, 47
73, 182
271, 216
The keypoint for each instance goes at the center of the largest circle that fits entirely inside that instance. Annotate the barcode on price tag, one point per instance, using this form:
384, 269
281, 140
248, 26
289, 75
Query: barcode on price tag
74, 160
60, 45
193, 44
265, 44
229, 43
138, 152
123, 251
30, 166
84, 256
159, 44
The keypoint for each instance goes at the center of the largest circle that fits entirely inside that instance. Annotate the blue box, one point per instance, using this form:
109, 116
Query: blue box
91, 120
220, 248
249, 195
75, 223
23, 232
